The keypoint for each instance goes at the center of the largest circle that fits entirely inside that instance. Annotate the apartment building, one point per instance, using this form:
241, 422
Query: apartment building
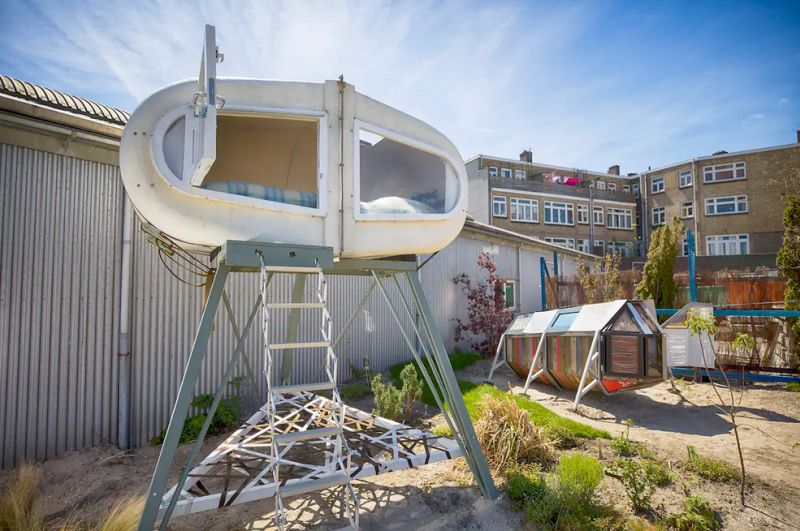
589, 211
732, 201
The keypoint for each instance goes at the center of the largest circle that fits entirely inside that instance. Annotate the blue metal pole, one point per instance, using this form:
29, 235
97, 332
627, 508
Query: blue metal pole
543, 274
692, 266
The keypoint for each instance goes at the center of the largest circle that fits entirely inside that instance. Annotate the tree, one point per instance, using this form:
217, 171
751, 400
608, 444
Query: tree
657, 280
788, 259
487, 314
601, 283
703, 323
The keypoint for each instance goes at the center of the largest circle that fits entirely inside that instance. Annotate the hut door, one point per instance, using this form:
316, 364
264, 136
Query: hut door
204, 104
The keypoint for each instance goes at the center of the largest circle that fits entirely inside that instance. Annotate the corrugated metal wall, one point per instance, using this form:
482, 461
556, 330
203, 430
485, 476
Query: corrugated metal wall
60, 226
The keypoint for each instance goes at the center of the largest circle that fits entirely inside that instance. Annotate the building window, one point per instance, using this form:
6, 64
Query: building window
599, 216
558, 213
524, 210
687, 209
717, 206
621, 248
659, 215
492, 171
499, 206
685, 247
505, 173
519, 174
685, 179
583, 214
724, 172
508, 294
569, 243
635, 189
583, 246
657, 185
727, 244
601, 185
619, 218
599, 247
612, 187
626, 188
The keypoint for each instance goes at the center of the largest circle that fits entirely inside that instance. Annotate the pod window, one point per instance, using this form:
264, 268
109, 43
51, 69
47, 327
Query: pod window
396, 178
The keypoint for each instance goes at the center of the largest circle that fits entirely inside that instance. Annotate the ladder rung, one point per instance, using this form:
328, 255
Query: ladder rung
290, 305
305, 435
310, 485
289, 269
285, 389
306, 344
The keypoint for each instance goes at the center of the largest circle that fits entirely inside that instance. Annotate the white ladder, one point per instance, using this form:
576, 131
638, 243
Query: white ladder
336, 470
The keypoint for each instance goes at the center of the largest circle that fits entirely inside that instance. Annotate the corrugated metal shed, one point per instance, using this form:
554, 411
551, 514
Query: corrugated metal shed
60, 100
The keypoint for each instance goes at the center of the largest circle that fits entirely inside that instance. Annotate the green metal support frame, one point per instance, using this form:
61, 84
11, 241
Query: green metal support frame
236, 256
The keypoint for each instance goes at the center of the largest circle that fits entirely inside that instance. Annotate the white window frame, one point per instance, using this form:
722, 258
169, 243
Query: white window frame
513, 284
498, 201
684, 246
519, 204
601, 244
740, 205
492, 171
567, 208
569, 243
626, 188
687, 209
685, 179
614, 214
505, 173
520, 174
658, 185
658, 216
582, 214
599, 216
624, 249
583, 246
635, 188
601, 185
612, 187
710, 172
720, 244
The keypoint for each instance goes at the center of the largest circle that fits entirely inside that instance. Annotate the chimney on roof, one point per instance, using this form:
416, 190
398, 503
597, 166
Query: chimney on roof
527, 155
631, 174
614, 170
798, 136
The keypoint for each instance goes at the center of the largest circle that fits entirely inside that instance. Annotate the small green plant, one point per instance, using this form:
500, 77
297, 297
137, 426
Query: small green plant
388, 399
354, 391
636, 477
561, 436
710, 468
225, 417
412, 390
697, 516
579, 475
658, 474
442, 430
793, 387
525, 484
623, 446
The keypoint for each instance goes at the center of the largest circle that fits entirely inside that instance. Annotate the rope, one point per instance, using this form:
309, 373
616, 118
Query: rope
181, 260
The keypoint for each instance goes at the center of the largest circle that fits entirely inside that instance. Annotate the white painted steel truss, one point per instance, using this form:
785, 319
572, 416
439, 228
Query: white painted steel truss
240, 469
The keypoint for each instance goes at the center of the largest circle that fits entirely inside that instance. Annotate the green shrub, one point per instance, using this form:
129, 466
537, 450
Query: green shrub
697, 516
710, 468
388, 399
354, 391
637, 481
578, 477
226, 417
561, 436
623, 446
658, 474
442, 430
793, 386
412, 390
525, 484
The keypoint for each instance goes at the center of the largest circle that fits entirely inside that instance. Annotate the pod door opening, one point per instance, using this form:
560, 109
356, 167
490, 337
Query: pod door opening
399, 178
269, 158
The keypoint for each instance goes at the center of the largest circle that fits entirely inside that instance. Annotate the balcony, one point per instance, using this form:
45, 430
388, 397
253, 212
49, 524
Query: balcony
537, 184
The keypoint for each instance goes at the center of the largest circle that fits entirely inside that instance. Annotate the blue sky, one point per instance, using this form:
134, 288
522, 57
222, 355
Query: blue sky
584, 84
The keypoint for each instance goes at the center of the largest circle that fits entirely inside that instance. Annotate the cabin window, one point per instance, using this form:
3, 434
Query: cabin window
396, 178
266, 157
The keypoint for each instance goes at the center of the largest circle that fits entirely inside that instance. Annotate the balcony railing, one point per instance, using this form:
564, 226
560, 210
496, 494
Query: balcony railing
536, 184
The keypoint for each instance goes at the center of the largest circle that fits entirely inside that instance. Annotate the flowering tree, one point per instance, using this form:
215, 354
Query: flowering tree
487, 314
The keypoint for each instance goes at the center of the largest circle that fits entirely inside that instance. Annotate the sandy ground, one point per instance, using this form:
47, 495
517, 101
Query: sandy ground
87, 483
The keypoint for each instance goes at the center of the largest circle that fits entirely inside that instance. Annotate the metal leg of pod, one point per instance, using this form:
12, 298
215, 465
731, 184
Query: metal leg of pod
453, 393
182, 402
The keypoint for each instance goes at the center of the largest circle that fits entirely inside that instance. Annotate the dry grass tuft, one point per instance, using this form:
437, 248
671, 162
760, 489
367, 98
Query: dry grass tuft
16, 504
124, 515
508, 437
